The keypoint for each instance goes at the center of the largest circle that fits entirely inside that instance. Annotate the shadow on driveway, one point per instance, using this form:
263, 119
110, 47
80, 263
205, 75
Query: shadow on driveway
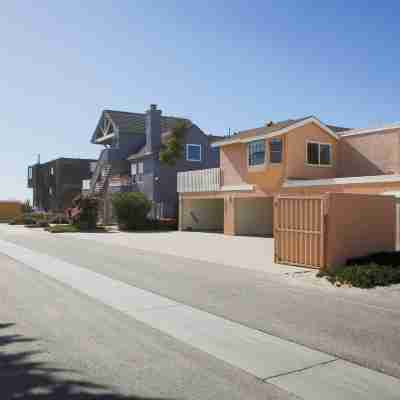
23, 378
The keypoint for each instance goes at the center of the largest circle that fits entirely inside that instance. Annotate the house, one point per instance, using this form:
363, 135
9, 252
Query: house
298, 158
130, 161
57, 182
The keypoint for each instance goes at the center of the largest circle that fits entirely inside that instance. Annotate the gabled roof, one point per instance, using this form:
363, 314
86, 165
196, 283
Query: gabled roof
129, 122
275, 129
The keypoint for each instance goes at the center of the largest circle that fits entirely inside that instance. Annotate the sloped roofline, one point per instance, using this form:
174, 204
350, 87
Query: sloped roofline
362, 131
278, 132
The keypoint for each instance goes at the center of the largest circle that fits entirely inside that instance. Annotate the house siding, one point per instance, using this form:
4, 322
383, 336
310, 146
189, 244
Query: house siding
296, 161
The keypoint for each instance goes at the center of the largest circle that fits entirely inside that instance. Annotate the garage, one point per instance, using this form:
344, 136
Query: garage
202, 215
254, 216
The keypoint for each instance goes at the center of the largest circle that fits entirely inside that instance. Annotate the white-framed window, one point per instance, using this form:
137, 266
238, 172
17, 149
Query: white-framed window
133, 169
256, 153
51, 171
193, 152
318, 154
275, 150
140, 170
30, 173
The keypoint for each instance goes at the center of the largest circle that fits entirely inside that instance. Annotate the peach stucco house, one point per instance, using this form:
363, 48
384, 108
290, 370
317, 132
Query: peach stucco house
294, 157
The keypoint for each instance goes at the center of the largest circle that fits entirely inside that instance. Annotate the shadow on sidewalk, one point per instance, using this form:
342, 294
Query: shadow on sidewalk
23, 378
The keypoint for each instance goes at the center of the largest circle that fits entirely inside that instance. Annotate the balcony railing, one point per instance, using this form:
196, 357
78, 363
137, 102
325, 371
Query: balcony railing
204, 180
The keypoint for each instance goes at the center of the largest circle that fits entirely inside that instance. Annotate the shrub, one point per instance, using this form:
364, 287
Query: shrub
363, 275
131, 210
85, 211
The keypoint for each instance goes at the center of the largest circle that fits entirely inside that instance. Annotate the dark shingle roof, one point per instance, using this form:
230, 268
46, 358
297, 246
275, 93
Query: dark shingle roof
135, 122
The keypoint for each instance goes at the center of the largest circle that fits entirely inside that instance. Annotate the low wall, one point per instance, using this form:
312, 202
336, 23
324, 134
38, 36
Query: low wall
10, 210
357, 225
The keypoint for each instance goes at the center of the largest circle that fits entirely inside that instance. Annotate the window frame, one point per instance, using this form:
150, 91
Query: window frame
270, 151
140, 171
319, 154
256, 166
187, 152
51, 171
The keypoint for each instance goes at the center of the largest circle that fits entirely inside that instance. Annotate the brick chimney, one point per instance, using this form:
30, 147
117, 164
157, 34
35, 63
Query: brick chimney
153, 129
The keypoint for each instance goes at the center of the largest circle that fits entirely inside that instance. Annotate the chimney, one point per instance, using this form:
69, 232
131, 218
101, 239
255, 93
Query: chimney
153, 129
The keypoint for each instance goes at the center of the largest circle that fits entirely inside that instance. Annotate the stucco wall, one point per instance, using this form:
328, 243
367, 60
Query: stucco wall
296, 165
236, 172
205, 215
254, 216
370, 154
358, 225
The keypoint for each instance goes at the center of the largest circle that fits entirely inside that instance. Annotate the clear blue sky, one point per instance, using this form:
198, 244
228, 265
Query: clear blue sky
62, 62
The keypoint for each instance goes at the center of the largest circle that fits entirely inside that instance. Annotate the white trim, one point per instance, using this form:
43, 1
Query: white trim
237, 188
354, 132
342, 181
330, 165
104, 138
187, 152
277, 133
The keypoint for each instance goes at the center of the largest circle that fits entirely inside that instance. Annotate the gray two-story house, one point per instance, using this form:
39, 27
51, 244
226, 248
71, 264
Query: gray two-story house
130, 160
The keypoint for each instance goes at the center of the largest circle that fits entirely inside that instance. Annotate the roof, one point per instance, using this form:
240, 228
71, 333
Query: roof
129, 122
362, 131
277, 128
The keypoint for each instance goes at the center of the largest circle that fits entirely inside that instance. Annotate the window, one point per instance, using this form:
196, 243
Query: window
193, 152
93, 166
52, 171
140, 169
30, 173
256, 153
133, 169
318, 153
275, 150
50, 191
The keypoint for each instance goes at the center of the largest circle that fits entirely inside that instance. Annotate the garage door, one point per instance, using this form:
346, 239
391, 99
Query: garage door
299, 230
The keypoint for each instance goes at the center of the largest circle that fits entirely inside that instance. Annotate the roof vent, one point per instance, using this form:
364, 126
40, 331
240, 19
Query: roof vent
269, 123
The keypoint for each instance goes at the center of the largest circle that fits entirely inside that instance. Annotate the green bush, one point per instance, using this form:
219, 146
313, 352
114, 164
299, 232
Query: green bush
363, 275
382, 258
131, 210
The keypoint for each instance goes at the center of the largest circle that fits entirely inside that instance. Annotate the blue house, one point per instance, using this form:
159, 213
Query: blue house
130, 160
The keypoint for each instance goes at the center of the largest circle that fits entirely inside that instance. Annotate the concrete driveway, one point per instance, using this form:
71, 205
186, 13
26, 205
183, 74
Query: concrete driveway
256, 253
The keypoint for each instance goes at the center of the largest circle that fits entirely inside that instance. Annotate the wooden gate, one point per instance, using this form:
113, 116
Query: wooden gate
299, 230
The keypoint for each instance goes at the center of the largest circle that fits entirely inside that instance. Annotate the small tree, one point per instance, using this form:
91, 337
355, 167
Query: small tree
173, 149
131, 209
85, 211
27, 207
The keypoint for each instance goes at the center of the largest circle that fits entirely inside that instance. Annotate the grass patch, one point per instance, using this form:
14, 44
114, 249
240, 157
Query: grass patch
379, 269
73, 229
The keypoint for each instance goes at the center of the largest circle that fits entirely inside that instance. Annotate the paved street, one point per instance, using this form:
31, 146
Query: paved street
149, 324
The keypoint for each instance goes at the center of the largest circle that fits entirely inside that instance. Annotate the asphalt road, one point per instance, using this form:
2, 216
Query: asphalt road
129, 357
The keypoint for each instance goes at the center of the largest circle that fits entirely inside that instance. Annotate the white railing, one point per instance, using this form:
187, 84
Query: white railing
204, 180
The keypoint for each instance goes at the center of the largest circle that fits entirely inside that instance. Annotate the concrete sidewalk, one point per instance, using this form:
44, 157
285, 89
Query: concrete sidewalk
305, 372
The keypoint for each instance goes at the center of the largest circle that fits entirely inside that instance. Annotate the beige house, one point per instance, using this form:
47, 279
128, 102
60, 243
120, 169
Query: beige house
302, 157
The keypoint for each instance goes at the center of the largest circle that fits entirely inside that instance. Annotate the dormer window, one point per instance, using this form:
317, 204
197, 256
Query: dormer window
256, 153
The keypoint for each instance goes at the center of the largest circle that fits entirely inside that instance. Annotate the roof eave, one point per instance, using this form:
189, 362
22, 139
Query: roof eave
278, 133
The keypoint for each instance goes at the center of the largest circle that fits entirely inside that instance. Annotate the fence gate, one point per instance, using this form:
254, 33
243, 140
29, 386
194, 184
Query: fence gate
299, 230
